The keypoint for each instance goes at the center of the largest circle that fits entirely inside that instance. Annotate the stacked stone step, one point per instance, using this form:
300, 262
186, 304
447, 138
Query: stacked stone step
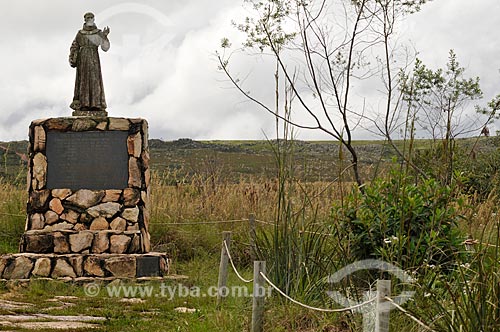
86, 209
86, 221
84, 242
27, 265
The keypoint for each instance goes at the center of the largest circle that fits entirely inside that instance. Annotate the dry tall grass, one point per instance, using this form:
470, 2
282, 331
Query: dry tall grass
12, 216
181, 207
480, 218
211, 199
205, 198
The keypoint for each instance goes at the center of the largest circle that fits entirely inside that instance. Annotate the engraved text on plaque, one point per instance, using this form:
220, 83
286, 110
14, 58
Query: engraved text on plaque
87, 160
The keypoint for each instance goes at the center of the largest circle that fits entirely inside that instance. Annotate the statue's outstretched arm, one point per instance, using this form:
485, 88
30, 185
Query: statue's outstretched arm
105, 45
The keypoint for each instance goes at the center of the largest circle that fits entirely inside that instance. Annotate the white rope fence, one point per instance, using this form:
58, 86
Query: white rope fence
200, 222
234, 267
12, 214
226, 247
214, 222
264, 222
260, 278
314, 308
404, 311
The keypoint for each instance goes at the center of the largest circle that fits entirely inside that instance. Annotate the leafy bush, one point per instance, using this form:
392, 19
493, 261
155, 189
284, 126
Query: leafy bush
400, 221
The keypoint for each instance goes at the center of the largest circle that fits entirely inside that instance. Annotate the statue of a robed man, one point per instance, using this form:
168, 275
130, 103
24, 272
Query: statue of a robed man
89, 97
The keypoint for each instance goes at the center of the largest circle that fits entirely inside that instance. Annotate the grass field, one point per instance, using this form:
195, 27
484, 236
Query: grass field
198, 182
194, 250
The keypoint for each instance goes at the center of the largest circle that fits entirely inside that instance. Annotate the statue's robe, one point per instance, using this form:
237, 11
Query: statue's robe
84, 55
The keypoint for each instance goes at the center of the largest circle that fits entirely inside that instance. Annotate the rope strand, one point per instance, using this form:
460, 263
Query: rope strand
200, 222
404, 311
234, 267
12, 214
314, 308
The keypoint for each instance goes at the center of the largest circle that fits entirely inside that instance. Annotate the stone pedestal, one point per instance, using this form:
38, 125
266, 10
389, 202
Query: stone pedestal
88, 184
29, 265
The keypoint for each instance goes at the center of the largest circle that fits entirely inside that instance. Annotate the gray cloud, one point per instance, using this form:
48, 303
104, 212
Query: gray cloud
161, 63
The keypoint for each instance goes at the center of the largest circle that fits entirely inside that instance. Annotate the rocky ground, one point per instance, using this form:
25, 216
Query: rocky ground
15, 318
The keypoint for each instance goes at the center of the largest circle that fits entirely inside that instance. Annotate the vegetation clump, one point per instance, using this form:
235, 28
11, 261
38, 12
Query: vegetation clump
397, 220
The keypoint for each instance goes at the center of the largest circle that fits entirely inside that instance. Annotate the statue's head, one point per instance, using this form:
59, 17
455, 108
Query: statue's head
89, 19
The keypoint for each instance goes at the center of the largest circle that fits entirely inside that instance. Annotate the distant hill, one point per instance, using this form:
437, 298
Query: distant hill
237, 160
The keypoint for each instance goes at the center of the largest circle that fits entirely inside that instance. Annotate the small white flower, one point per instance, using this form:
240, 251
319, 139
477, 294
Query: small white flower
387, 240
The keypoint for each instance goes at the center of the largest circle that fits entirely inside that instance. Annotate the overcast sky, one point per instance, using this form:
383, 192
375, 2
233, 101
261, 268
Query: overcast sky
161, 65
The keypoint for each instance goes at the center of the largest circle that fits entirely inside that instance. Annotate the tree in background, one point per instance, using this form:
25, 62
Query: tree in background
323, 50
436, 102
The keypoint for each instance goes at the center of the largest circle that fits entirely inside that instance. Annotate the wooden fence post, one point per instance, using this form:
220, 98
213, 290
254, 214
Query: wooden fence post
253, 248
382, 306
259, 294
224, 258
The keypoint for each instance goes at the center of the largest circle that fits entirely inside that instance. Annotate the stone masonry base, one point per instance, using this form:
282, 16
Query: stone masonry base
74, 266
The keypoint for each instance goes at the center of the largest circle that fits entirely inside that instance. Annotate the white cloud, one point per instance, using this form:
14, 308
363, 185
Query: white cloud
161, 64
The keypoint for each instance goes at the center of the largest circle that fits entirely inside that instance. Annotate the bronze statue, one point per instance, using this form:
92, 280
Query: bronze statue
89, 90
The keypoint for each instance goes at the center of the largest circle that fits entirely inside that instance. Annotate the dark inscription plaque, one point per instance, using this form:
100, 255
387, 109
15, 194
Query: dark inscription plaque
148, 266
87, 160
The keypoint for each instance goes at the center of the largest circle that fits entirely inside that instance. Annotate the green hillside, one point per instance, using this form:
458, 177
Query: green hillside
236, 160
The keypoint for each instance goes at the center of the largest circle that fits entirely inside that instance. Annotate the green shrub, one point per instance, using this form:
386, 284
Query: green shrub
399, 221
